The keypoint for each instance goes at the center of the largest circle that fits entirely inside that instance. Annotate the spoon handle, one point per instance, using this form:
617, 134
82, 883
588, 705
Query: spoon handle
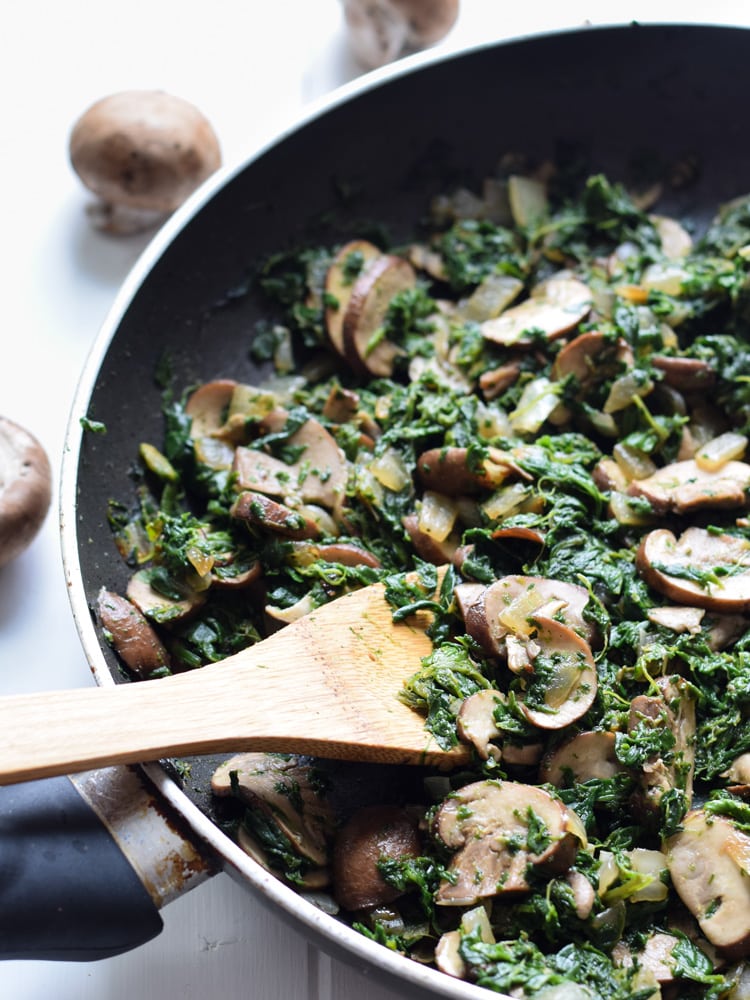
326, 685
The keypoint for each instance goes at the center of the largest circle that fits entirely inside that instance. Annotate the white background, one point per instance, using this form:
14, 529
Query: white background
250, 66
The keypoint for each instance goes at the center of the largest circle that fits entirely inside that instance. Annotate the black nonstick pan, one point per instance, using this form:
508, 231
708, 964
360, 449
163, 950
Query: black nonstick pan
376, 152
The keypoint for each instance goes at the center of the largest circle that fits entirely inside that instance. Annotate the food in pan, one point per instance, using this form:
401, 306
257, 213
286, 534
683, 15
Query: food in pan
546, 393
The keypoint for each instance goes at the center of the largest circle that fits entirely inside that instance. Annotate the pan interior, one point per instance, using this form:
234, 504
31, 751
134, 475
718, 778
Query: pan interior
617, 97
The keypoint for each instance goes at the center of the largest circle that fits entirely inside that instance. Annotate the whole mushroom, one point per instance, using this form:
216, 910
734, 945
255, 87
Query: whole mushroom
25, 488
141, 152
383, 30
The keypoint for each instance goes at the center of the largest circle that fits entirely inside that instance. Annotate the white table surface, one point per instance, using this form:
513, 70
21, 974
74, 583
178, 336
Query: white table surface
250, 66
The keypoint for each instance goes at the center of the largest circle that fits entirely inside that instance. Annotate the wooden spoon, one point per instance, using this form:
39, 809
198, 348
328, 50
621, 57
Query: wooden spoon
325, 685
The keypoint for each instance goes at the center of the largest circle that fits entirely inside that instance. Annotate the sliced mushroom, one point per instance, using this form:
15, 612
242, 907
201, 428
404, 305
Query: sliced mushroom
508, 605
609, 477
234, 574
365, 348
685, 487
554, 308
207, 406
263, 512
673, 707
449, 468
587, 755
497, 380
563, 682
654, 956
685, 374
318, 476
447, 951
346, 553
709, 864
724, 630
373, 834
160, 608
131, 635
347, 266
429, 548
476, 722
739, 770
341, 405
677, 618
286, 790
498, 829
701, 568
586, 358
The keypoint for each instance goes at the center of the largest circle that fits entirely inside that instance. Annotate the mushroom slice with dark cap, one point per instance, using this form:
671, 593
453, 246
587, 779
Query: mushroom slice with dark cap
318, 476
350, 261
450, 470
374, 833
700, 568
684, 487
589, 358
498, 829
261, 511
563, 682
508, 605
130, 634
365, 348
287, 792
709, 864
673, 707
685, 374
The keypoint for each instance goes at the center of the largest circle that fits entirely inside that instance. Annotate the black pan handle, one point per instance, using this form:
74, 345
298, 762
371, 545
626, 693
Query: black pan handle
70, 887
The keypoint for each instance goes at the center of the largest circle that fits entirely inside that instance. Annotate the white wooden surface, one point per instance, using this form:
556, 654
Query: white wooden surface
250, 65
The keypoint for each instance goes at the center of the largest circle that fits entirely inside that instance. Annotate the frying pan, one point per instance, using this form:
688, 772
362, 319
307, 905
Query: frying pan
373, 153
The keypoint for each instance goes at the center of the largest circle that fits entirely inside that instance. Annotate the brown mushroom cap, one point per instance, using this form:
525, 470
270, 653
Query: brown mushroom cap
25, 489
382, 30
366, 310
143, 149
709, 864
488, 824
674, 566
372, 834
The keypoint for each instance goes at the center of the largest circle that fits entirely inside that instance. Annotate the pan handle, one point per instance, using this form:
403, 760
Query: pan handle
86, 863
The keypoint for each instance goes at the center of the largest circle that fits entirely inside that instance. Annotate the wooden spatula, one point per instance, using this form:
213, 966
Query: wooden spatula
325, 685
